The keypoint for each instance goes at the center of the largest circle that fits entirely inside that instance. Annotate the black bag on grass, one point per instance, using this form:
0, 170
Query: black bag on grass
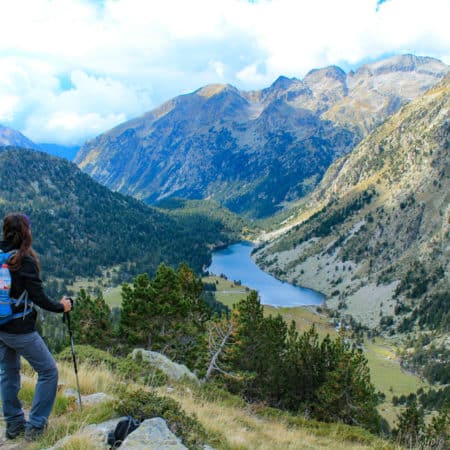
123, 429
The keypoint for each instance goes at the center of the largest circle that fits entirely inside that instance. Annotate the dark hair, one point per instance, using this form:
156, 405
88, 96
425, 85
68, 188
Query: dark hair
17, 233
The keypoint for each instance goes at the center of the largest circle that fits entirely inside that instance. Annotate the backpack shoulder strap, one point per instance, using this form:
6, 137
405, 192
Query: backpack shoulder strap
6, 256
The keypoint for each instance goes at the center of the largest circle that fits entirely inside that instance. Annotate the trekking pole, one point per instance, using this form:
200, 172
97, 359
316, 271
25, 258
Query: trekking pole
66, 318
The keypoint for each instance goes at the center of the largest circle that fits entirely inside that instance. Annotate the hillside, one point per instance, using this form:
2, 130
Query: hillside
374, 235
254, 151
80, 227
227, 421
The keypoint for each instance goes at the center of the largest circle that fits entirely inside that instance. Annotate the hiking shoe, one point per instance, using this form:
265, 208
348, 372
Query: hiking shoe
33, 433
14, 430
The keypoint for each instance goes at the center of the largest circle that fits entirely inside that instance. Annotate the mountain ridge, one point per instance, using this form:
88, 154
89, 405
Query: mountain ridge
377, 230
253, 151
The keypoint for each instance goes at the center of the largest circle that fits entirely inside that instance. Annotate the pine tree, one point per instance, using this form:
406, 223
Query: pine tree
136, 302
91, 321
348, 395
410, 426
307, 361
166, 314
437, 433
257, 351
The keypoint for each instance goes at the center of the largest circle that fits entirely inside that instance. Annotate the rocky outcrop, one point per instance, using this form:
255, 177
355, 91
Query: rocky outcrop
152, 434
172, 369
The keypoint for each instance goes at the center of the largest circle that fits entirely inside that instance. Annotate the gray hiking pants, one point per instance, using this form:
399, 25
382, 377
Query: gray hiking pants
33, 349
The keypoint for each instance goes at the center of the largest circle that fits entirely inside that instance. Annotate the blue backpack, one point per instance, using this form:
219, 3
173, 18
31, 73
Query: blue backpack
6, 302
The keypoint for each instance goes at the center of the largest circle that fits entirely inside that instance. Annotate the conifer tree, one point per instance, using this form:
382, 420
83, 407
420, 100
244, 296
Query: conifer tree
257, 351
136, 305
437, 432
348, 394
410, 425
166, 314
91, 321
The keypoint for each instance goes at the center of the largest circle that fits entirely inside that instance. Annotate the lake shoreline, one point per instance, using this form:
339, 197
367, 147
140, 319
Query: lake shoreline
236, 263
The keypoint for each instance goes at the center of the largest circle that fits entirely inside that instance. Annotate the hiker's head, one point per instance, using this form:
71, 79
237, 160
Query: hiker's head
17, 234
16, 230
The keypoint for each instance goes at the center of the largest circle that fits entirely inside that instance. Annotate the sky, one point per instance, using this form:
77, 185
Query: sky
72, 69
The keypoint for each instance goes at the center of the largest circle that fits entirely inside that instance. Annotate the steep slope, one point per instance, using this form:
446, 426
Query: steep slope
79, 226
253, 151
377, 237
205, 144
10, 137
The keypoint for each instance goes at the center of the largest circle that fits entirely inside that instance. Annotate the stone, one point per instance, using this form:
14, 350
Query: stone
93, 399
88, 400
172, 369
96, 433
152, 434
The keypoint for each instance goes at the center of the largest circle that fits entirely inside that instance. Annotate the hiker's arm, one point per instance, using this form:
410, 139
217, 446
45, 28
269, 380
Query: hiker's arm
33, 285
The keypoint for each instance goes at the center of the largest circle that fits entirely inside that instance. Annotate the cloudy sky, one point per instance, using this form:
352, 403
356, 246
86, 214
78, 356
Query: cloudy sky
71, 69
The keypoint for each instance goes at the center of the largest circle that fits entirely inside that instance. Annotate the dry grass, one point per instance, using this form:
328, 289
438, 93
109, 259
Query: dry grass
244, 430
92, 378
80, 442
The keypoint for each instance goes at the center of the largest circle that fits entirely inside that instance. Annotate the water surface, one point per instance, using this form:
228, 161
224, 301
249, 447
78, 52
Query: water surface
235, 262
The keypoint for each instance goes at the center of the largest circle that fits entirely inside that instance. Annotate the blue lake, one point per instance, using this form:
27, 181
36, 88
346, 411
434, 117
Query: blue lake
235, 262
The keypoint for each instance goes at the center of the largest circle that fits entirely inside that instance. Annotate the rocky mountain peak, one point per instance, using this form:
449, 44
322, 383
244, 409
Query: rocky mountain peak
328, 84
283, 83
211, 90
287, 89
405, 63
333, 72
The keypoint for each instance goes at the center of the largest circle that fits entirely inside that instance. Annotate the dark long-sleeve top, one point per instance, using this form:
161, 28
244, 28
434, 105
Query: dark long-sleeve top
27, 278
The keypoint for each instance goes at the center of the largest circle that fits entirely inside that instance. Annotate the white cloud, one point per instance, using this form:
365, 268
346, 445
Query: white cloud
91, 106
66, 64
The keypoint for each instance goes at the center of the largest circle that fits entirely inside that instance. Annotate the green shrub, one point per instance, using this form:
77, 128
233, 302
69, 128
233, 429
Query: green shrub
143, 404
216, 393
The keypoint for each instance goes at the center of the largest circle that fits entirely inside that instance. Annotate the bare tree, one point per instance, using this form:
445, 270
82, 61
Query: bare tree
219, 334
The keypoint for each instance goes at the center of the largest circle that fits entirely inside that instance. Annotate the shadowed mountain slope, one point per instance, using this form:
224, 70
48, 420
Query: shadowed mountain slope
80, 227
254, 151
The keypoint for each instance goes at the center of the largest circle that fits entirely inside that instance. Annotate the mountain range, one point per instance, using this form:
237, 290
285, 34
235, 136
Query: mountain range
374, 235
254, 151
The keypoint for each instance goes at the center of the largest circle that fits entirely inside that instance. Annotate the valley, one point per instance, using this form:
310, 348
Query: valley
342, 182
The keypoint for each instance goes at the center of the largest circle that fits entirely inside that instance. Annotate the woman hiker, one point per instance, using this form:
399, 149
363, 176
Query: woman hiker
18, 337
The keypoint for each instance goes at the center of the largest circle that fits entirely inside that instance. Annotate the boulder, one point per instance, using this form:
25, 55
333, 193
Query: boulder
96, 433
152, 434
172, 369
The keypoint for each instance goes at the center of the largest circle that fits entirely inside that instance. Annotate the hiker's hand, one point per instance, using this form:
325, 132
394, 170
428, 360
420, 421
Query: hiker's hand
66, 303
